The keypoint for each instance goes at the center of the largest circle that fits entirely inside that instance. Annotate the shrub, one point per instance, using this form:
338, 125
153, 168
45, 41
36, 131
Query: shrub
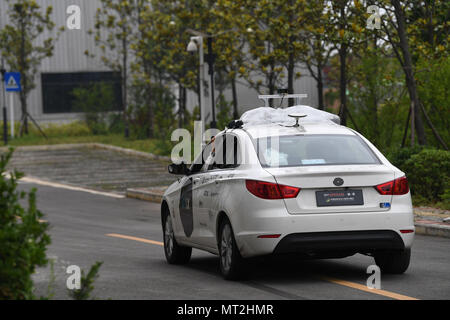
86, 283
223, 112
401, 155
428, 173
95, 102
73, 129
23, 238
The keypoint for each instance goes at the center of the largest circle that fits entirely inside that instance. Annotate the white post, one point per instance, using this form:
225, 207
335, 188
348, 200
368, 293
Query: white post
11, 107
202, 77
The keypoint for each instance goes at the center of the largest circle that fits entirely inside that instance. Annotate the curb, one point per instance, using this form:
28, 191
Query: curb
432, 229
90, 145
144, 195
129, 151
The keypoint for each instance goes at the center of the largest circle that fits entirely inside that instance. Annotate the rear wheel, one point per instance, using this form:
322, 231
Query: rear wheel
175, 254
231, 261
395, 262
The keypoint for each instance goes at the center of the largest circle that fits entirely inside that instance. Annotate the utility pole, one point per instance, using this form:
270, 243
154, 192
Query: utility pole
195, 44
211, 57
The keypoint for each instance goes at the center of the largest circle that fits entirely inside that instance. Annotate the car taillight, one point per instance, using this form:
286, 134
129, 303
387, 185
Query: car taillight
268, 190
395, 187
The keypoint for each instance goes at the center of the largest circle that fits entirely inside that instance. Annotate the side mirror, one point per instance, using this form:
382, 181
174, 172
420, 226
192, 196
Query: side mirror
178, 168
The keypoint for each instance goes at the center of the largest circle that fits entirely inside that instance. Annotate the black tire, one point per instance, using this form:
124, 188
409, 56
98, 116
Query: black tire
232, 264
395, 262
175, 254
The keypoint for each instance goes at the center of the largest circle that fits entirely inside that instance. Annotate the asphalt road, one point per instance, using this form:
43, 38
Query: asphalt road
135, 268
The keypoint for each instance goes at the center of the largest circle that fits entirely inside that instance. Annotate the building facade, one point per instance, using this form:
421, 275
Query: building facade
69, 67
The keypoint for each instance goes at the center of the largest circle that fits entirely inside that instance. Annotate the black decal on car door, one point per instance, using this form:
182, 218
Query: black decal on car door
186, 213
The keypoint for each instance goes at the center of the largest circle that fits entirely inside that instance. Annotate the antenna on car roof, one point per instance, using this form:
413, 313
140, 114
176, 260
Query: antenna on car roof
266, 97
297, 117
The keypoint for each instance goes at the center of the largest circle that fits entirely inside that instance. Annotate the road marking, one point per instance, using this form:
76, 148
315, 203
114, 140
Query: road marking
134, 238
345, 283
361, 287
65, 186
39, 220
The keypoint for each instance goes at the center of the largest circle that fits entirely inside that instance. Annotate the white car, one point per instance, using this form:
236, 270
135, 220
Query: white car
314, 188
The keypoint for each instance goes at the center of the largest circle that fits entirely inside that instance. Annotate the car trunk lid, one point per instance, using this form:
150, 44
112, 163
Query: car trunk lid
315, 181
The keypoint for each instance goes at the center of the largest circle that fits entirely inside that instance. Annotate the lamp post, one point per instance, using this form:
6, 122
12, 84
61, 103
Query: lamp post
211, 57
196, 44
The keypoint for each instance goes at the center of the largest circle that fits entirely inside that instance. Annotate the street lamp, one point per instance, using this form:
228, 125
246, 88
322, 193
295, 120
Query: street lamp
210, 58
196, 44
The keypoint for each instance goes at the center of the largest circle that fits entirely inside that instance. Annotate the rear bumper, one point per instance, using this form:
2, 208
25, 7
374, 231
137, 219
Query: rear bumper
359, 232
340, 241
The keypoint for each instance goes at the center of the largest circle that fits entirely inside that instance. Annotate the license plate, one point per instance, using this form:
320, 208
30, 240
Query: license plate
349, 197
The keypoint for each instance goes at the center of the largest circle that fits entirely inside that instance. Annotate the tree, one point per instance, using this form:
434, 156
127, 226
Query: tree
396, 29
23, 236
147, 56
345, 19
22, 47
114, 25
167, 36
264, 70
319, 49
230, 45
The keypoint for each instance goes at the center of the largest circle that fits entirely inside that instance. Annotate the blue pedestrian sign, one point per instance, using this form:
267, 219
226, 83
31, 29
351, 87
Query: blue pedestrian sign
12, 81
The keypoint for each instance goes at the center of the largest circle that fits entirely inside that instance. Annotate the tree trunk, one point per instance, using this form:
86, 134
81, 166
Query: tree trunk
147, 70
180, 105
374, 94
343, 84
23, 70
291, 71
320, 87
184, 106
24, 120
235, 99
409, 73
124, 87
150, 128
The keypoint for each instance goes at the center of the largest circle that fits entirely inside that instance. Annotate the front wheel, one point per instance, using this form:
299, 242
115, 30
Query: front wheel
395, 262
175, 254
231, 261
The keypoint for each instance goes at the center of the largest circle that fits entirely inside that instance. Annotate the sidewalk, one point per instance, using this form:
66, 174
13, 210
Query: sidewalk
428, 221
92, 165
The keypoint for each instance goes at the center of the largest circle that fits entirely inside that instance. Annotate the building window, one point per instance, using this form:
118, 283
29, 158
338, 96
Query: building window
57, 89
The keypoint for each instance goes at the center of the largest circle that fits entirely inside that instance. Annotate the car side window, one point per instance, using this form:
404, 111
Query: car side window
226, 154
202, 158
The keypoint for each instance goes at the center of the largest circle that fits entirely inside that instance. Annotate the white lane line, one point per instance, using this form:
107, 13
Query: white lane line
68, 187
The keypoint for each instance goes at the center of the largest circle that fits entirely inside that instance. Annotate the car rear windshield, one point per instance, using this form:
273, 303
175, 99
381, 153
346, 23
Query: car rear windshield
314, 150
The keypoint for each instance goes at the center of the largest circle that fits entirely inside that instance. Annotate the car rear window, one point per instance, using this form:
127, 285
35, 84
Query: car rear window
314, 150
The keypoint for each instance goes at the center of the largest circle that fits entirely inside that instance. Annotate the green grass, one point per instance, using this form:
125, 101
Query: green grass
78, 132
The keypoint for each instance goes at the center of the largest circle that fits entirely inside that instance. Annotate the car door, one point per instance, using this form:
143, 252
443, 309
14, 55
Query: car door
187, 226
204, 186
219, 171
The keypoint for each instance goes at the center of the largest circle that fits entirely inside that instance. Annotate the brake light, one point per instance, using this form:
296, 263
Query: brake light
269, 236
395, 187
268, 190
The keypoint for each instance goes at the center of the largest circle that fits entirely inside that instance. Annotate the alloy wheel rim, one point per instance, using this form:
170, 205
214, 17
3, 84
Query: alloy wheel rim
168, 236
226, 248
